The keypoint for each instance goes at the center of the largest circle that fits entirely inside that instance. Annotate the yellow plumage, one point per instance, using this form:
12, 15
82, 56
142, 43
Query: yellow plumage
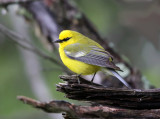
84, 56
74, 65
77, 66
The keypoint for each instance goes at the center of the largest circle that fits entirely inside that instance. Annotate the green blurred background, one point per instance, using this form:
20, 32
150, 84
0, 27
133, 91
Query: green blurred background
132, 27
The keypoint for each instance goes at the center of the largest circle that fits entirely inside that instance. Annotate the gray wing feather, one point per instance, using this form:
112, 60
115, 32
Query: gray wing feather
93, 59
96, 56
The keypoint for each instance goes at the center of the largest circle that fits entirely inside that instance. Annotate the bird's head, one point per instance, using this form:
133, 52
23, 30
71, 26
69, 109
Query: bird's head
67, 37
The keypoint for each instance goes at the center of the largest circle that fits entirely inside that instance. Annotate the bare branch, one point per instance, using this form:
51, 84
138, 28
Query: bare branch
27, 45
98, 112
51, 107
100, 97
85, 91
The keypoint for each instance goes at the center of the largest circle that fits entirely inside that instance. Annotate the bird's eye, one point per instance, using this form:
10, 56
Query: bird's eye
66, 39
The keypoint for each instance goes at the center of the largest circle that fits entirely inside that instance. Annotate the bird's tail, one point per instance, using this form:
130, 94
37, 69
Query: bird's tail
120, 78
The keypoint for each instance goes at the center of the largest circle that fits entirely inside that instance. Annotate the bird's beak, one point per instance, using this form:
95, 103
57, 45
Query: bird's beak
57, 41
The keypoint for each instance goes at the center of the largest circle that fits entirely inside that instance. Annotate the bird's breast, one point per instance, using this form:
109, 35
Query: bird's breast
76, 66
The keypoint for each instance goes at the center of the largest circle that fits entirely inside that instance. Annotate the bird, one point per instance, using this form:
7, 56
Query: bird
85, 56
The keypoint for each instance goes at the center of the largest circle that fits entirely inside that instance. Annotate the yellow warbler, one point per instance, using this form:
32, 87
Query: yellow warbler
85, 56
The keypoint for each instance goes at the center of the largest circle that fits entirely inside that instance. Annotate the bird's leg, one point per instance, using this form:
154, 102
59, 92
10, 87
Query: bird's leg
93, 77
78, 76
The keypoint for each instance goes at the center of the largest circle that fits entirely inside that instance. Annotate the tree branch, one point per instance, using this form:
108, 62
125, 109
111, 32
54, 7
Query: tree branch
51, 107
27, 45
98, 112
93, 93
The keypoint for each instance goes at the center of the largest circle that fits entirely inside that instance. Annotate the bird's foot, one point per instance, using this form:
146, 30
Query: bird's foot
78, 78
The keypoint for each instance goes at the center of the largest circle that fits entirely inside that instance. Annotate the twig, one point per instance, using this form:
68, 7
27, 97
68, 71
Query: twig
51, 107
27, 45
98, 112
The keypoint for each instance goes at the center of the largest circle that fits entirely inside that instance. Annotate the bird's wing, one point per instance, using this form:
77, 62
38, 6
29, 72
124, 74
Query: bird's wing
90, 54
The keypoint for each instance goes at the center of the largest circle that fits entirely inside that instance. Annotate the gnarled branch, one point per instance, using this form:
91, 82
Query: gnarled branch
98, 112
93, 93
